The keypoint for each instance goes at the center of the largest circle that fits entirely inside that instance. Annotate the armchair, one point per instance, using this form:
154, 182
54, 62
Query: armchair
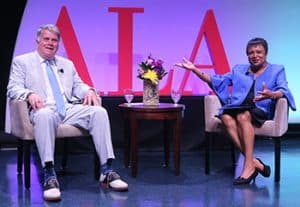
22, 128
274, 129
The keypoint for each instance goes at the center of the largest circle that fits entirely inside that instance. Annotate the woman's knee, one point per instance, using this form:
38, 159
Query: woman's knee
244, 117
228, 121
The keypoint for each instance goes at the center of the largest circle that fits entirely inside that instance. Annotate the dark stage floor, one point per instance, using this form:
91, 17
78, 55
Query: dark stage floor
156, 186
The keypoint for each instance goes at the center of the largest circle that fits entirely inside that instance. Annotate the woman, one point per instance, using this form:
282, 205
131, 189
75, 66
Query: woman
254, 90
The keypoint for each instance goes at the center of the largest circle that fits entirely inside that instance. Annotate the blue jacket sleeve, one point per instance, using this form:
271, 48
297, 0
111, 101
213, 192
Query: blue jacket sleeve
282, 85
220, 85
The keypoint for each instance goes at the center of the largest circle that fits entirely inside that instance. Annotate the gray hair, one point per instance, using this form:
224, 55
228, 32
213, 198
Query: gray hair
51, 27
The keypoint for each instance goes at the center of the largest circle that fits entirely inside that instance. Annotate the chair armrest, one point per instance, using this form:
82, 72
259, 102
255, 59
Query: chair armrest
279, 124
100, 100
211, 107
281, 116
19, 119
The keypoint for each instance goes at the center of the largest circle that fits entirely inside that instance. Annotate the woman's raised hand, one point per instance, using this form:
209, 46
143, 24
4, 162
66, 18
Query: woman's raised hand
186, 64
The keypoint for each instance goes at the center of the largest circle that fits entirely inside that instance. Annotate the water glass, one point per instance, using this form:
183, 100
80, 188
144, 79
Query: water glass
128, 95
175, 95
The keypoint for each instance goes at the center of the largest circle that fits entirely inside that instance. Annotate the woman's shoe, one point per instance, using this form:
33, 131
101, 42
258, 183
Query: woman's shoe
243, 181
266, 172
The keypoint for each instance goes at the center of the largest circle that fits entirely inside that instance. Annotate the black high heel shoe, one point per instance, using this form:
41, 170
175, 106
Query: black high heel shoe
243, 181
266, 172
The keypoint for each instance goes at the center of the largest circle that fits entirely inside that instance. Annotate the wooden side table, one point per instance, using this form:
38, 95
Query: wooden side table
164, 111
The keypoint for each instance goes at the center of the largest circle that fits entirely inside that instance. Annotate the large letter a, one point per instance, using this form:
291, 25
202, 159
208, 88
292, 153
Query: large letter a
209, 30
72, 46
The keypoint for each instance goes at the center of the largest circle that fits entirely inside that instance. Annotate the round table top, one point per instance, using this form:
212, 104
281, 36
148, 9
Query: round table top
159, 107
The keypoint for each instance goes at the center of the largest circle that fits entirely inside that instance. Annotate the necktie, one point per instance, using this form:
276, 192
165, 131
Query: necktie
60, 104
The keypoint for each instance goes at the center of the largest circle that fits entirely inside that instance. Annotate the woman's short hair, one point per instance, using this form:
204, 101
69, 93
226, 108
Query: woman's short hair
257, 41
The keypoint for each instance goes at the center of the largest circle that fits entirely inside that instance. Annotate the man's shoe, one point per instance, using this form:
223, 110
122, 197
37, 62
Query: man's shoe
112, 180
51, 190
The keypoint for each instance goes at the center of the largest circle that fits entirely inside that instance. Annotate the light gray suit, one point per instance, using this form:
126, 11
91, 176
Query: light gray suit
26, 77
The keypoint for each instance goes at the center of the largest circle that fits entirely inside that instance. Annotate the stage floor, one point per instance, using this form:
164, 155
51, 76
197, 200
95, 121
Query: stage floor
156, 186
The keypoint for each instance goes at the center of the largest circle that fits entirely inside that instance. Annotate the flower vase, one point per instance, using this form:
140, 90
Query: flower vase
150, 93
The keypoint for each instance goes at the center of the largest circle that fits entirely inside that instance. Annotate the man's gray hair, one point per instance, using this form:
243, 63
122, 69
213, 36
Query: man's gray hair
51, 27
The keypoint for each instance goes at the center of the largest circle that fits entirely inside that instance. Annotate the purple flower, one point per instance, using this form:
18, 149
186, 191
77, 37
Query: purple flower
152, 64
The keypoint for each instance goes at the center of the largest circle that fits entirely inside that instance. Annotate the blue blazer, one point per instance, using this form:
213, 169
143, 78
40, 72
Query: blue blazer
274, 78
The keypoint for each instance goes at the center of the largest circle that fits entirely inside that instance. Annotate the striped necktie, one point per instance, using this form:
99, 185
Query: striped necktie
60, 104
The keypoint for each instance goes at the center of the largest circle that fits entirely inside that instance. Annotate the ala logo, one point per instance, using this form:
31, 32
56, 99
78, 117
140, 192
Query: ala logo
208, 31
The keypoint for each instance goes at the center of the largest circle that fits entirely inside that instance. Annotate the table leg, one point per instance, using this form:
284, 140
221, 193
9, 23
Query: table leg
166, 142
126, 142
133, 146
176, 143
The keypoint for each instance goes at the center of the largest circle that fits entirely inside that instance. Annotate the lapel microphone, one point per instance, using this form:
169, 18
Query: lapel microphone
61, 70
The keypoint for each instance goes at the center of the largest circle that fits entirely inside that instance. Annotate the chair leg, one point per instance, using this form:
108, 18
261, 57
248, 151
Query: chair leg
20, 157
207, 152
126, 143
96, 165
63, 168
27, 146
166, 143
233, 156
277, 146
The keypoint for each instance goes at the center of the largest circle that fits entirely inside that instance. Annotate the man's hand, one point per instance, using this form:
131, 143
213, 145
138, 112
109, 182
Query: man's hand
91, 98
35, 101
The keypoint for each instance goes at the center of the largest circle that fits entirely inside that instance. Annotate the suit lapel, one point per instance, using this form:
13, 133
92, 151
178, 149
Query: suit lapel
41, 83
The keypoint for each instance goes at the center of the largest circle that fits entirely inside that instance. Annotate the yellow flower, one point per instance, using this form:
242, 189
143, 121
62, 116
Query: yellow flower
151, 70
151, 75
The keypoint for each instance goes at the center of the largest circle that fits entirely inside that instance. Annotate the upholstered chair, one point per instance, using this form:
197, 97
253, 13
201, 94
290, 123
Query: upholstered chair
274, 129
22, 128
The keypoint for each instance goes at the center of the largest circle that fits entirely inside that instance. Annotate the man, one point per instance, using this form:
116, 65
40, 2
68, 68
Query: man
51, 86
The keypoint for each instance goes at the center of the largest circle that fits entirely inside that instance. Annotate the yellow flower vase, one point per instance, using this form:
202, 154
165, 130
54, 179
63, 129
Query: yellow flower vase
150, 93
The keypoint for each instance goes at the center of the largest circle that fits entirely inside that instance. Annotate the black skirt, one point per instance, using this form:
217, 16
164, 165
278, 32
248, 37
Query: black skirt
258, 116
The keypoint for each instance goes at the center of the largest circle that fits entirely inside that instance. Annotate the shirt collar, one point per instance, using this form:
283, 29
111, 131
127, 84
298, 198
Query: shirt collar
42, 60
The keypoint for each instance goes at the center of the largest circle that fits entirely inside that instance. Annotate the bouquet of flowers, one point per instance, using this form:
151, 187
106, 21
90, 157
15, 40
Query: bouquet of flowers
152, 70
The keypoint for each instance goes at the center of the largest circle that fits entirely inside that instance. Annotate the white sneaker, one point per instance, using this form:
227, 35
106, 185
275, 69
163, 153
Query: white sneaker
113, 180
51, 190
